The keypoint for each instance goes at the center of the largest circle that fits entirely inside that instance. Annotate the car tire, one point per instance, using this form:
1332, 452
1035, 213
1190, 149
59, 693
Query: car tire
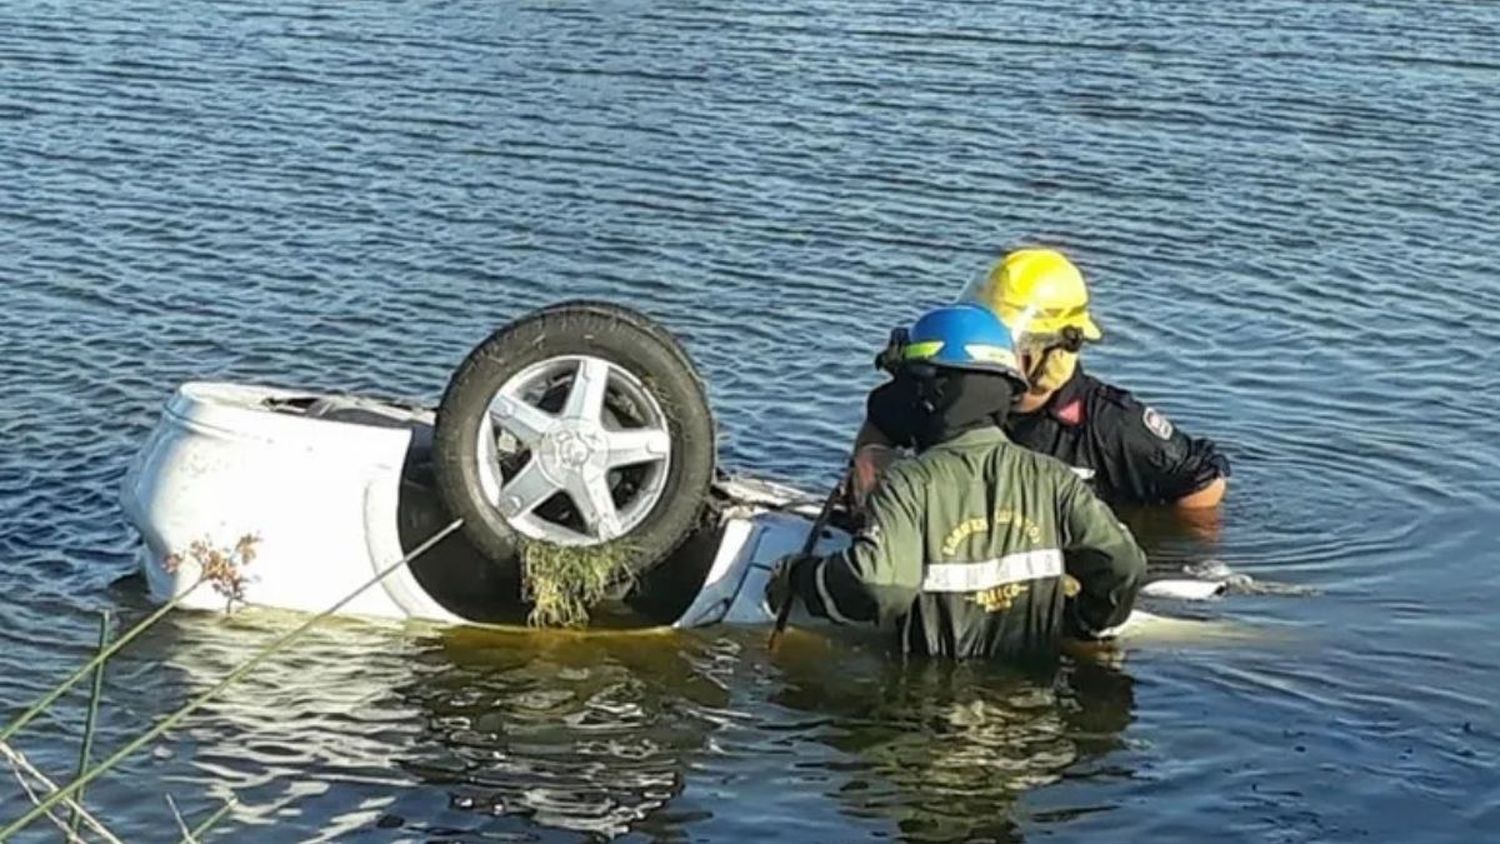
650, 377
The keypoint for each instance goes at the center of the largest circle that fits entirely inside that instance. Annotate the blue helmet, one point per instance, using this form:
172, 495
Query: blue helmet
964, 336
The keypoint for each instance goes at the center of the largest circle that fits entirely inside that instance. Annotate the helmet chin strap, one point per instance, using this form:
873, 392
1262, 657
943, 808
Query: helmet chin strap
1071, 339
1039, 364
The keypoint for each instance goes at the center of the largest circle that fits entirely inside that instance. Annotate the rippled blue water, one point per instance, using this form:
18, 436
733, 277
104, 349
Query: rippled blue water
1287, 213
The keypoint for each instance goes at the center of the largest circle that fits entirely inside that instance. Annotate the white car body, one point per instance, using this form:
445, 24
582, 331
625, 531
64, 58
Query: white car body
321, 497
321, 492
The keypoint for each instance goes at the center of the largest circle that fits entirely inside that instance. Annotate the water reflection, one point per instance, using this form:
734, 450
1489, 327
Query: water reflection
462, 733
304, 743
588, 732
382, 733
944, 750
1158, 528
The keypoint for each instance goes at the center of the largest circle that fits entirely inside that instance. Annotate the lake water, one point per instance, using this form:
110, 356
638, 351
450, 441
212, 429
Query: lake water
1287, 212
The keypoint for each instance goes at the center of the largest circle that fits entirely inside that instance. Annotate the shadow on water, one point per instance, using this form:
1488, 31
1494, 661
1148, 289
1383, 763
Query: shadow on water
1175, 539
597, 733
944, 751
583, 732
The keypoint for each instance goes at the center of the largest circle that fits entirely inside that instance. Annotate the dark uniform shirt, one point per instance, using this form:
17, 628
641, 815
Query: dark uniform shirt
963, 553
1129, 452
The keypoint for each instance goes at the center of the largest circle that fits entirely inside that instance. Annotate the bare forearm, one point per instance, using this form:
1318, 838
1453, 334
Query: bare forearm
1208, 496
869, 435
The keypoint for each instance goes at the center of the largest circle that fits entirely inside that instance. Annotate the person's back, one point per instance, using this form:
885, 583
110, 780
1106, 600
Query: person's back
995, 528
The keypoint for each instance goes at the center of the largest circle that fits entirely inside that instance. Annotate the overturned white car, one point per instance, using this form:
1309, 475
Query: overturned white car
580, 425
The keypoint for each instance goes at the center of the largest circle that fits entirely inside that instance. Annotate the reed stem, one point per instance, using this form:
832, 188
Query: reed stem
209, 823
91, 720
99, 659
193, 705
24, 768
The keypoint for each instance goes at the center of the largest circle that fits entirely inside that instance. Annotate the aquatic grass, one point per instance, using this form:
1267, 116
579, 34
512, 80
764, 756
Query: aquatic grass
96, 692
195, 835
563, 582
99, 659
22, 768
222, 568
230, 577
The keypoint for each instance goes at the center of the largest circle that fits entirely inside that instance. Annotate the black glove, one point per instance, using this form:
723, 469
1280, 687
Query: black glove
787, 578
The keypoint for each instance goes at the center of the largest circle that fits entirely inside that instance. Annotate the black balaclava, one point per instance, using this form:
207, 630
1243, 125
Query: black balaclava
951, 402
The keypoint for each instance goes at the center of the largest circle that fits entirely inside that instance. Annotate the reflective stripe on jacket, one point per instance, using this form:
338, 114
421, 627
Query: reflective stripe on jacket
964, 551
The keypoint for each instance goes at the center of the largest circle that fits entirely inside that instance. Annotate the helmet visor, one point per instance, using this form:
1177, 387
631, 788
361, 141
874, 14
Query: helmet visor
980, 290
1036, 338
1032, 332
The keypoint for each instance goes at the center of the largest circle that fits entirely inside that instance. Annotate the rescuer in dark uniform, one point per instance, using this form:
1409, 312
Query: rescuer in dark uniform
1127, 450
969, 548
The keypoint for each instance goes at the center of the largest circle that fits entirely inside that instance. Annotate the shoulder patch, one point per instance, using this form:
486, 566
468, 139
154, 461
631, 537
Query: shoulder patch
1157, 423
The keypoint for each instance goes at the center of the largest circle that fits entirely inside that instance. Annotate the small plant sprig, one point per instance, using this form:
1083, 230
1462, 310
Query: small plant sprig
222, 568
226, 566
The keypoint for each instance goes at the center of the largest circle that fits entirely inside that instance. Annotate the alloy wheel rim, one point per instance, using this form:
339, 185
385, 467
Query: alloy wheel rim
583, 473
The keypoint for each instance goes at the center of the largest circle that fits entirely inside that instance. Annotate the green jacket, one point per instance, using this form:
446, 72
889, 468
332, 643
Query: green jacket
964, 550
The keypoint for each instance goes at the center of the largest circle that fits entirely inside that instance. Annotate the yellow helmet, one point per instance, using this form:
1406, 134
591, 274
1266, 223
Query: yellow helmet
1040, 288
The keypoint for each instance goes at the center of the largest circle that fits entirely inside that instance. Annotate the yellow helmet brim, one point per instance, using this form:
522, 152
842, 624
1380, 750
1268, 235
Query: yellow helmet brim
1090, 328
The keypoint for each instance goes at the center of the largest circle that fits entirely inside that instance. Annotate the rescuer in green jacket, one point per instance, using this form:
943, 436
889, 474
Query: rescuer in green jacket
973, 547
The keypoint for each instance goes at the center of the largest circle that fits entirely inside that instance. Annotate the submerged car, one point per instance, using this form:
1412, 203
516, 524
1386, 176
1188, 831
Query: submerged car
584, 425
